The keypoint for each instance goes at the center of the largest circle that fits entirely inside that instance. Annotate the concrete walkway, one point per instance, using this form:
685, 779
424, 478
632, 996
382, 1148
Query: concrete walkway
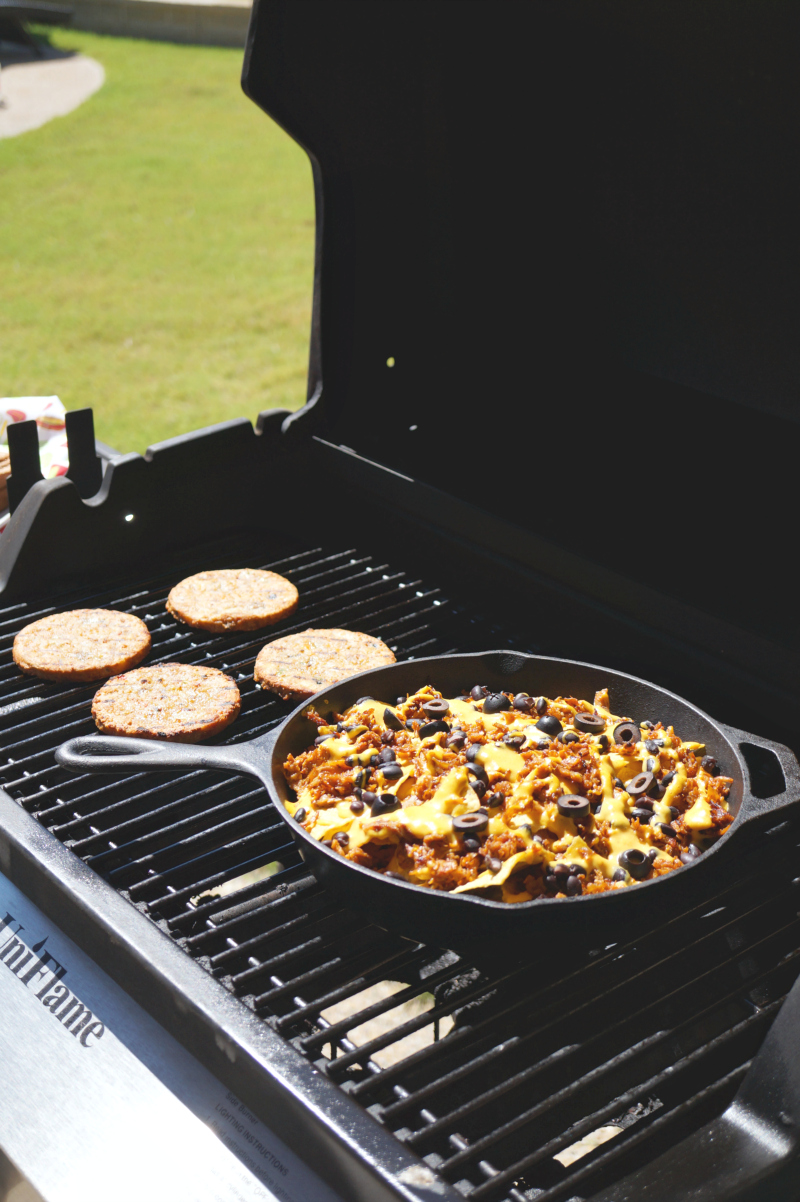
34, 92
202, 22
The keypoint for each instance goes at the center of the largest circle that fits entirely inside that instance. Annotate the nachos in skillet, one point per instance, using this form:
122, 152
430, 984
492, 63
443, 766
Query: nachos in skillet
515, 796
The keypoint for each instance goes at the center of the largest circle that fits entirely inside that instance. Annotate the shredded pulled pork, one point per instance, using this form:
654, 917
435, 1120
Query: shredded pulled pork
515, 797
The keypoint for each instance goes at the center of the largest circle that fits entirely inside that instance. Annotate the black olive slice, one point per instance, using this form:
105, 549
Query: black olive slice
391, 771
496, 703
572, 806
479, 692
636, 863
386, 755
433, 728
300, 815
688, 855
391, 720
437, 708
569, 736
361, 700
550, 725
590, 724
639, 785
474, 822
627, 732
524, 702
386, 803
478, 771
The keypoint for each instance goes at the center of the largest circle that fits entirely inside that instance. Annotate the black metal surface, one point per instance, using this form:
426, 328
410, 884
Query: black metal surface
85, 465
531, 268
464, 920
654, 1032
23, 449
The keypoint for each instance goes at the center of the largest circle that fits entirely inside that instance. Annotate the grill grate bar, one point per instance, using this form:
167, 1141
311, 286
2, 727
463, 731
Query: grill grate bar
152, 845
279, 894
174, 844
718, 1093
582, 1050
312, 1042
229, 853
602, 1074
401, 963
158, 813
669, 945
166, 904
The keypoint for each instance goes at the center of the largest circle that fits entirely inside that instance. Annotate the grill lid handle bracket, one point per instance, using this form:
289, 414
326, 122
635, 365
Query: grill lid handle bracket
26, 470
85, 466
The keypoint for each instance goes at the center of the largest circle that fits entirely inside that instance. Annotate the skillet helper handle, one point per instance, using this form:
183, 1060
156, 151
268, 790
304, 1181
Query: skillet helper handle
113, 753
761, 808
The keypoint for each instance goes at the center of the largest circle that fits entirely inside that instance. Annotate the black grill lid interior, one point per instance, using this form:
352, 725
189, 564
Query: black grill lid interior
571, 228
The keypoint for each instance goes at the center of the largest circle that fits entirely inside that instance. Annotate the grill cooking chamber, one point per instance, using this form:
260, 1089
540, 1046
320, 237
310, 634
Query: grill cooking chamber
393, 502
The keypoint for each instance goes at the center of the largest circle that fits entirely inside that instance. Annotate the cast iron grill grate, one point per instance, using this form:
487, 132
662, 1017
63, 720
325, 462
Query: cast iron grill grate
493, 1074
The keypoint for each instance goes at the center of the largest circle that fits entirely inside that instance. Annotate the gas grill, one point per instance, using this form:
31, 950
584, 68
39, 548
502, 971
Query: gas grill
458, 481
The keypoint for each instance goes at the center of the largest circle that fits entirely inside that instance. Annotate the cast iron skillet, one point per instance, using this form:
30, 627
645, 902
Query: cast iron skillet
462, 920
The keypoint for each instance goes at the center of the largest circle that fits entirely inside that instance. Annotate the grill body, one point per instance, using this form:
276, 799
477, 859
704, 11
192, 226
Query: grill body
406, 501
651, 1033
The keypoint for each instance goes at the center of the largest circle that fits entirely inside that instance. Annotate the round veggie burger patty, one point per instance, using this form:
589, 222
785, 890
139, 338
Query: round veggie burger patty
299, 665
232, 599
82, 644
178, 702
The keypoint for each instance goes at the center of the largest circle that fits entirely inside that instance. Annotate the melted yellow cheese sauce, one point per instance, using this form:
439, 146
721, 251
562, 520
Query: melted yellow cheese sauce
525, 780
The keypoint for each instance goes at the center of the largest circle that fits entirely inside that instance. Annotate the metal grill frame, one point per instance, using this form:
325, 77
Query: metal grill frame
365, 1159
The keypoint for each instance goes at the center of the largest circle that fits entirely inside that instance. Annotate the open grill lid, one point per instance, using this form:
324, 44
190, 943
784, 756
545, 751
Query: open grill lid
570, 227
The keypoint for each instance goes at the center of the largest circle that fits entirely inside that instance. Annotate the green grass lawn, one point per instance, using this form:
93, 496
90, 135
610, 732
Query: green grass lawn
156, 248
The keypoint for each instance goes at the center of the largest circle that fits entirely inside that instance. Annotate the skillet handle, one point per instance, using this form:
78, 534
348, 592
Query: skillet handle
112, 753
754, 808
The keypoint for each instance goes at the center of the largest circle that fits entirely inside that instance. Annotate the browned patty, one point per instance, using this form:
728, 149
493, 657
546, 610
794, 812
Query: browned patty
233, 599
82, 644
178, 702
299, 665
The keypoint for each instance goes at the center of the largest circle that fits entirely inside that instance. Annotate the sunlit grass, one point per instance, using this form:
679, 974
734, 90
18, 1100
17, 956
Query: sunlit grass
156, 248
